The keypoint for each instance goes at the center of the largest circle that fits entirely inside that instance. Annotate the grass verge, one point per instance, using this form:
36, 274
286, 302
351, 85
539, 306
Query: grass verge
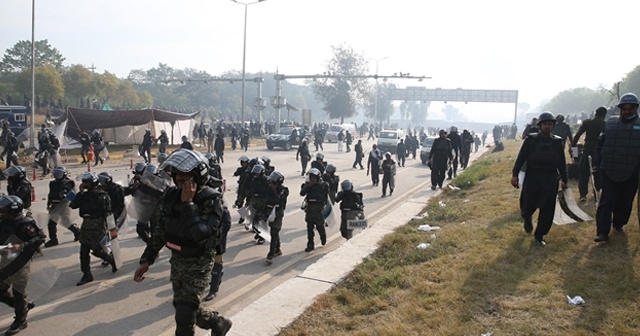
482, 274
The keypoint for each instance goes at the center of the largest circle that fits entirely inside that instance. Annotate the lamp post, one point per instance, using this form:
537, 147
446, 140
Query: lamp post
33, 74
244, 53
375, 104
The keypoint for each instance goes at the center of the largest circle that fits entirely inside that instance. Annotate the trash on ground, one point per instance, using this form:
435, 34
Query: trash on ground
427, 227
423, 246
442, 204
575, 301
487, 334
465, 201
433, 236
454, 188
416, 218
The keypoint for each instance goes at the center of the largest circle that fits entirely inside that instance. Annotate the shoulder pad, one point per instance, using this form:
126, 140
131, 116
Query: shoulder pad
206, 193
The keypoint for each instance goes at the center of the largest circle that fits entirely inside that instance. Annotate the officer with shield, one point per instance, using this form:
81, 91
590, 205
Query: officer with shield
277, 199
94, 207
259, 193
350, 205
189, 225
142, 227
333, 180
58, 206
20, 234
319, 163
18, 184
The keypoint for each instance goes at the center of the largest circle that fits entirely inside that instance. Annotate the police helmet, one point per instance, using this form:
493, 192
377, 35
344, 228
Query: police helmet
387, 155
139, 168
442, 132
346, 185
304, 141
559, 118
148, 130
184, 138
59, 173
213, 158
276, 178
546, 116
11, 205
255, 161
105, 178
628, 98
453, 129
257, 169
163, 131
600, 111
319, 156
188, 161
314, 172
151, 168
90, 178
266, 160
15, 172
331, 168
95, 132
162, 157
244, 158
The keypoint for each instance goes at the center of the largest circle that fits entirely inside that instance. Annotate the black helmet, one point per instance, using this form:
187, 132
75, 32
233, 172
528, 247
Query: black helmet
346, 185
244, 158
139, 168
255, 161
276, 178
105, 178
559, 118
188, 161
331, 168
184, 138
213, 159
89, 177
59, 173
151, 168
266, 160
319, 156
314, 172
257, 169
163, 131
162, 157
15, 172
11, 205
628, 98
546, 116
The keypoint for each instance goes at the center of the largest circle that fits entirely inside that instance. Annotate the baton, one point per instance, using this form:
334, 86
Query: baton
593, 182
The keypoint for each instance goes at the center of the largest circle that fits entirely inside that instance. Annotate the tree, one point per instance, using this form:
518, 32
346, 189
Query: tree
78, 82
631, 83
385, 106
106, 85
338, 94
577, 100
18, 58
48, 83
420, 112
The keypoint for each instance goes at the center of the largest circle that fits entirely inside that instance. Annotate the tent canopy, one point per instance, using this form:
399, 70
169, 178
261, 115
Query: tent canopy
88, 120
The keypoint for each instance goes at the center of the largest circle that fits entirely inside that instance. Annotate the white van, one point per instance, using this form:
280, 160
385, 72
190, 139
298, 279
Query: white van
332, 132
389, 138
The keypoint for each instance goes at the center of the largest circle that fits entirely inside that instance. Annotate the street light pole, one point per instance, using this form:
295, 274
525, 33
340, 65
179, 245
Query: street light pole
33, 74
244, 54
375, 104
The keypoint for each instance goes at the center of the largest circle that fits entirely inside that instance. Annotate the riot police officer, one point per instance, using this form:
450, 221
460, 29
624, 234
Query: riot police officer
333, 180
244, 182
59, 187
350, 205
544, 156
142, 228
389, 174
592, 129
268, 168
14, 224
440, 157
316, 191
116, 196
456, 146
373, 164
164, 141
18, 185
189, 225
94, 207
303, 155
145, 147
277, 197
319, 163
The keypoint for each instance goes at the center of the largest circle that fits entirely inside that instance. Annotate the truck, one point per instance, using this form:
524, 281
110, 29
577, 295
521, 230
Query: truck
389, 139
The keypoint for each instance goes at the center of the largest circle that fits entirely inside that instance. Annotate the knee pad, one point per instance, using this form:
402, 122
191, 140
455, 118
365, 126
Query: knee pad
185, 313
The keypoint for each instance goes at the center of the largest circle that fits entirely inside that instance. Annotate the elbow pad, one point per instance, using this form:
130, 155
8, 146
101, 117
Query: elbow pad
201, 232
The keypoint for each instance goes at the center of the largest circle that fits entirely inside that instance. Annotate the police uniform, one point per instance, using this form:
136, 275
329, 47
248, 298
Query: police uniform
20, 187
373, 164
305, 156
333, 181
277, 197
58, 190
544, 156
592, 129
439, 156
191, 230
618, 159
350, 205
388, 177
94, 206
15, 276
456, 146
316, 197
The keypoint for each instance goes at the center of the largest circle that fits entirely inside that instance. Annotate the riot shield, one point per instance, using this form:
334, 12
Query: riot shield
248, 213
330, 215
147, 196
568, 205
112, 232
262, 228
63, 215
54, 159
14, 255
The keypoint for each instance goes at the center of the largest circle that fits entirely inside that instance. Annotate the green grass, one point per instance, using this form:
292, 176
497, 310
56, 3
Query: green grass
483, 274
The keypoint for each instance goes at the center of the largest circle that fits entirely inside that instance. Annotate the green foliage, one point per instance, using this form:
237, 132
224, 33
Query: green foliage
475, 173
18, 58
48, 82
340, 96
577, 100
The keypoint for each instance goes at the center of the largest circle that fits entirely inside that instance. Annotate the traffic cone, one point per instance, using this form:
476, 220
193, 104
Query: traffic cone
89, 167
128, 177
224, 185
131, 164
33, 194
35, 175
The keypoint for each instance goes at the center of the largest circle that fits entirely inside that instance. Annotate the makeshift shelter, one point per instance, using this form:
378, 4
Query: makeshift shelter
126, 126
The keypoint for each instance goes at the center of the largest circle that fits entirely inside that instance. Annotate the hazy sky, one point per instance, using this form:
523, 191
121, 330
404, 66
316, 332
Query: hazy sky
536, 47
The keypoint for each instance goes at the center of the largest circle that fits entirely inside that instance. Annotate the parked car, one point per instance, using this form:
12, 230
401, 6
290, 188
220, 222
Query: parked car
389, 138
332, 132
286, 137
426, 148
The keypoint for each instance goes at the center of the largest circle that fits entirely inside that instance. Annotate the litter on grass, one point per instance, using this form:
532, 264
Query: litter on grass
427, 227
423, 246
577, 300
442, 204
454, 188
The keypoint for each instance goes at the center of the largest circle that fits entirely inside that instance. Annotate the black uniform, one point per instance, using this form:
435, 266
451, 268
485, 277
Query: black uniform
58, 190
401, 153
316, 198
373, 164
592, 129
465, 148
21, 188
319, 165
545, 160
304, 155
350, 205
164, 142
456, 146
98, 146
218, 147
145, 147
618, 159
85, 141
244, 185
562, 130
333, 181
359, 155
276, 197
439, 156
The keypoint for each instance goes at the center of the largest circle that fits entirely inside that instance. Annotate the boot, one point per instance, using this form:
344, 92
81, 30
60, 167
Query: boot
86, 278
51, 243
17, 325
112, 262
219, 325
216, 280
185, 330
76, 232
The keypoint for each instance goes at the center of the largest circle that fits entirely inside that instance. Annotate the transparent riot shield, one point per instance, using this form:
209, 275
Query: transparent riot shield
248, 213
112, 233
331, 216
63, 215
14, 257
146, 197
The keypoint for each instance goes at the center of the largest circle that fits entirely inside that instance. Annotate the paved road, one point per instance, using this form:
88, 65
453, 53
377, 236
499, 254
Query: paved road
114, 304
